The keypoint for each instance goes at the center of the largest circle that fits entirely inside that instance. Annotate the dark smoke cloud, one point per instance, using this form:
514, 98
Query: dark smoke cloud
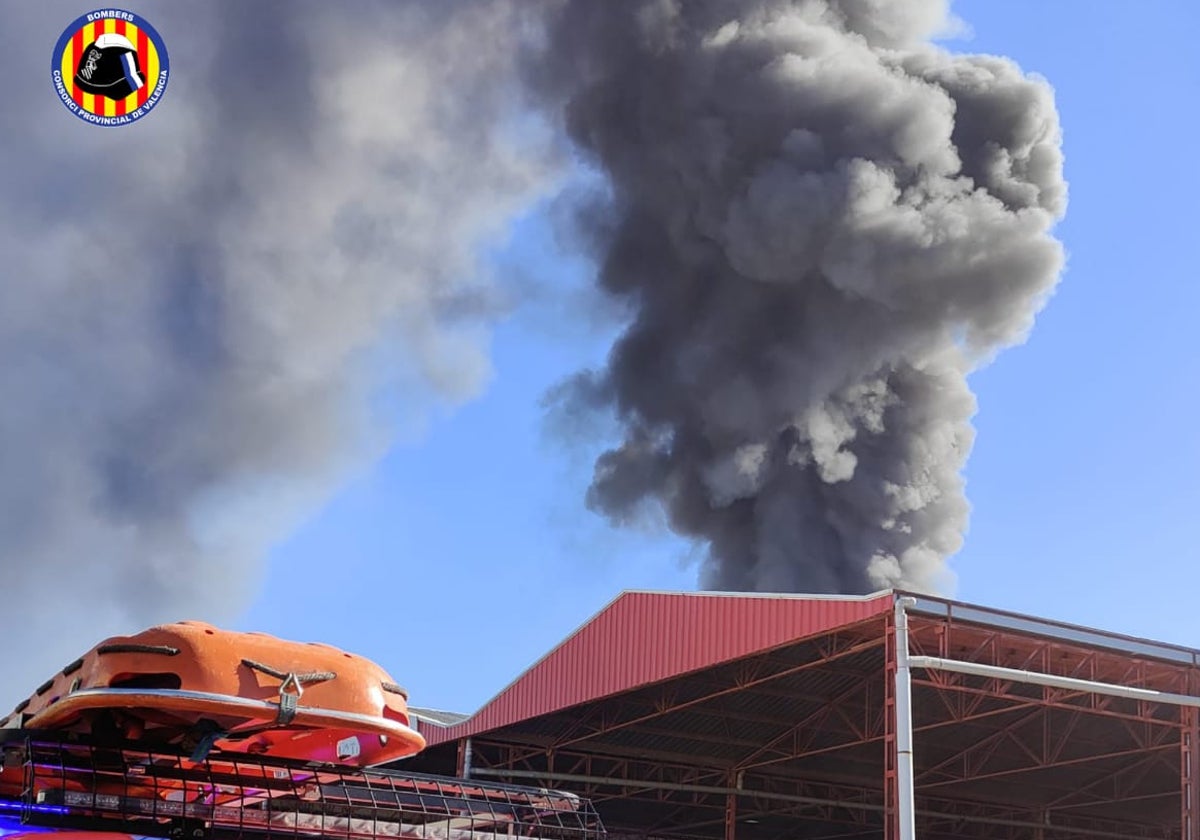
820, 223
197, 310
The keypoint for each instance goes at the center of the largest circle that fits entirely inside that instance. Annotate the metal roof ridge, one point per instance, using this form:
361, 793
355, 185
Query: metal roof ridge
791, 596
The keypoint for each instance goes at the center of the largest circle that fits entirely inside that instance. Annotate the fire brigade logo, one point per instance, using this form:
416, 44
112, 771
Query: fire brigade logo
110, 67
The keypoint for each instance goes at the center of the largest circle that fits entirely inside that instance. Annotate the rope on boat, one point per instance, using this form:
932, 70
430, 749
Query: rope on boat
311, 677
392, 688
165, 650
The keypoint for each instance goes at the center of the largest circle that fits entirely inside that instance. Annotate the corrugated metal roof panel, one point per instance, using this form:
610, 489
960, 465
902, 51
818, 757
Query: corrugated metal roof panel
644, 637
438, 717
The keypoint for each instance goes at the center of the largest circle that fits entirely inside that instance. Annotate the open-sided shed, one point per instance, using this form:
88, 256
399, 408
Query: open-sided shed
764, 717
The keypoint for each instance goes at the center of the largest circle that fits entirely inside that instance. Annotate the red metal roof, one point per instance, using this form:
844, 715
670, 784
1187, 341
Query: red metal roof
644, 637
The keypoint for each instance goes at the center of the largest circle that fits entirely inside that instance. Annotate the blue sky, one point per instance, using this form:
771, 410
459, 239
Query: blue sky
467, 552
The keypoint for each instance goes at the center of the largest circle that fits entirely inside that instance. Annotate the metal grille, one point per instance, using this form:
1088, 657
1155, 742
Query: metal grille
139, 790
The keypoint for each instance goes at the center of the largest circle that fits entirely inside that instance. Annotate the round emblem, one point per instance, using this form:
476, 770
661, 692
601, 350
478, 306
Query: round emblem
110, 67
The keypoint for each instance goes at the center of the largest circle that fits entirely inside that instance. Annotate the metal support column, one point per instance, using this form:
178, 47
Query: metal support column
1189, 773
464, 758
731, 814
891, 823
905, 805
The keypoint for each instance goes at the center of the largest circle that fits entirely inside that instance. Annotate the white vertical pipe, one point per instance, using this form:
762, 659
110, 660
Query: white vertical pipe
906, 807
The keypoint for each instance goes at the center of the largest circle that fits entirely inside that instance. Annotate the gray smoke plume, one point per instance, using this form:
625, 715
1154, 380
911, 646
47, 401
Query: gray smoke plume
820, 223
199, 312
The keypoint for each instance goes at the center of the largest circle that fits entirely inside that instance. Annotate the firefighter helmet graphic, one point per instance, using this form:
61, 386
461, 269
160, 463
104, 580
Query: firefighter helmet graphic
110, 67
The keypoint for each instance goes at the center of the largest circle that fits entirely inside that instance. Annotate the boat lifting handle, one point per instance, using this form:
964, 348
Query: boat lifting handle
289, 699
292, 687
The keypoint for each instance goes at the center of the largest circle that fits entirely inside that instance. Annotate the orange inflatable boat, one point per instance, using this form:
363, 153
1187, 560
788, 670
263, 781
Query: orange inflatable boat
196, 688
188, 732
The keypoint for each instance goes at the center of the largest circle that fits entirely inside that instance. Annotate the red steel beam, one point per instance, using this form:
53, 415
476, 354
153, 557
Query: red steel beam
891, 782
1000, 646
1070, 762
1121, 800
1051, 747
670, 707
800, 733
843, 800
987, 744
521, 754
950, 683
731, 810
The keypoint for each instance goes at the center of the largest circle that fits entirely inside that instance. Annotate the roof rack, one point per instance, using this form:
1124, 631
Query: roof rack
68, 782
